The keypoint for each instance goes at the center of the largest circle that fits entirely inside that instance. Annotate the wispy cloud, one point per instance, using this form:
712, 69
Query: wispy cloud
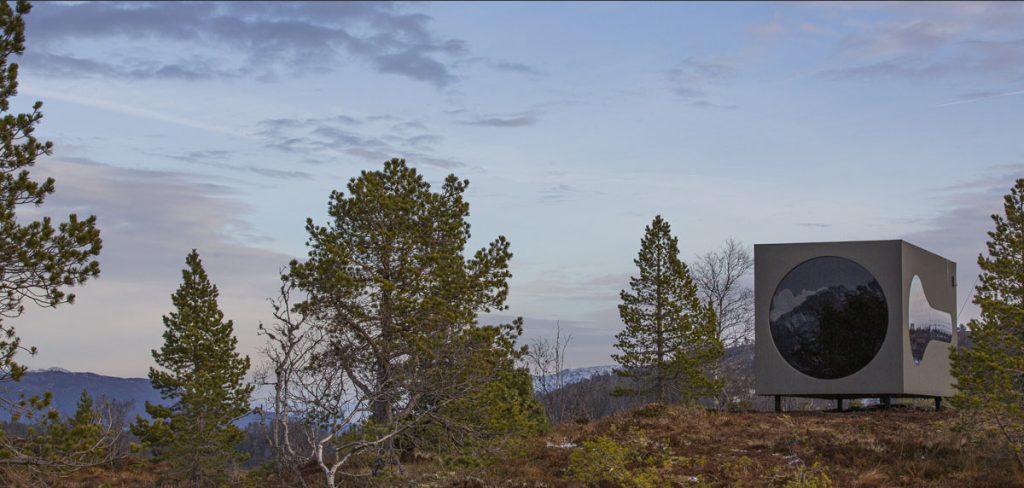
556, 193
370, 139
279, 174
270, 37
512, 120
778, 27
499, 65
568, 284
980, 96
221, 159
137, 111
693, 79
944, 41
772, 28
149, 220
66, 66
959, 230
997, 60
708, 104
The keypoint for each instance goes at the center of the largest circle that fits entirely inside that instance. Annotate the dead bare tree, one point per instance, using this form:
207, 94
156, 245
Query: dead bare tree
287, 354
311, 404
321, 398
546, 360
720, 277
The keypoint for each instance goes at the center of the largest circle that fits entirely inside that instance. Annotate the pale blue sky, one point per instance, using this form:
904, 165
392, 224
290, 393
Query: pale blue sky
223, 126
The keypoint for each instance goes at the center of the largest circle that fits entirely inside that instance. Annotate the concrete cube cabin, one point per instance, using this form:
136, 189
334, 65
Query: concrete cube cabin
853, 320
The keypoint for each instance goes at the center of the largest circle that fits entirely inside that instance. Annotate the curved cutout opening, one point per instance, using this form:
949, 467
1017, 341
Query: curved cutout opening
926, 323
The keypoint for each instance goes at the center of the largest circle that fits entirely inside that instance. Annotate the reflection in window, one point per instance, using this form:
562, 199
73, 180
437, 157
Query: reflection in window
926, 323
828, 317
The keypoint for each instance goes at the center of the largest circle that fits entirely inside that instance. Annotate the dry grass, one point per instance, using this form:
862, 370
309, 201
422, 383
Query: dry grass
692, 447
135, 473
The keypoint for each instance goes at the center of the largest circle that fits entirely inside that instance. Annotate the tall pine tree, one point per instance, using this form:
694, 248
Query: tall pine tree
669, 345
389, 282
202, 377
990, 375
39, 259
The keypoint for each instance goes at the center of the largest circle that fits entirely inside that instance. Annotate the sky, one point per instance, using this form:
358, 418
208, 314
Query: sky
222, 127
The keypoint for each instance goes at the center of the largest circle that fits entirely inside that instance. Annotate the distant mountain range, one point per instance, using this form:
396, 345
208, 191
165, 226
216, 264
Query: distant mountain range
67, 386
570, 376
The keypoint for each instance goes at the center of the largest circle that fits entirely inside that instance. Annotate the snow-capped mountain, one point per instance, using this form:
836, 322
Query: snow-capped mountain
568, 377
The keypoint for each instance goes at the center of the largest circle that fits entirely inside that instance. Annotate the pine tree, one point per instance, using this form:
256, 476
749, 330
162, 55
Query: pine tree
388, 282
504, 405
202, 377
698, 361
83, 427
670, 341
990, 375
79, 435
38, 259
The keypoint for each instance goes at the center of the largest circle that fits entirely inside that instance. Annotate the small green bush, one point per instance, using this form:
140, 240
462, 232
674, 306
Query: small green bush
604, 460
815, 476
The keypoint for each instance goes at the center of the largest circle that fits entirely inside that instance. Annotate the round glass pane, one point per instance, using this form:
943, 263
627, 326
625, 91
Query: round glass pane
828, 317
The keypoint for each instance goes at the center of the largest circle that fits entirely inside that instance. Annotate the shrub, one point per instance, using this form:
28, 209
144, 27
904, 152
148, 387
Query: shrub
604, 460
815, 476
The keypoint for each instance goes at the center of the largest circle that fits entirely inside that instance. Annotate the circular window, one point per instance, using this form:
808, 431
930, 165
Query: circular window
828, 317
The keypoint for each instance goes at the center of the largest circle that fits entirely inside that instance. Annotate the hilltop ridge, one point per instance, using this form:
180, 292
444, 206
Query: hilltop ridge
657, 445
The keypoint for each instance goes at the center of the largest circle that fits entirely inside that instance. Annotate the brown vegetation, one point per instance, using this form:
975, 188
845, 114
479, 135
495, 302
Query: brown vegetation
675, 446
659, 445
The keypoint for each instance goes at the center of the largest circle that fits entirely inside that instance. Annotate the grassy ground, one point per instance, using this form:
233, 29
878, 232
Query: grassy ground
673, 446
657, 446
